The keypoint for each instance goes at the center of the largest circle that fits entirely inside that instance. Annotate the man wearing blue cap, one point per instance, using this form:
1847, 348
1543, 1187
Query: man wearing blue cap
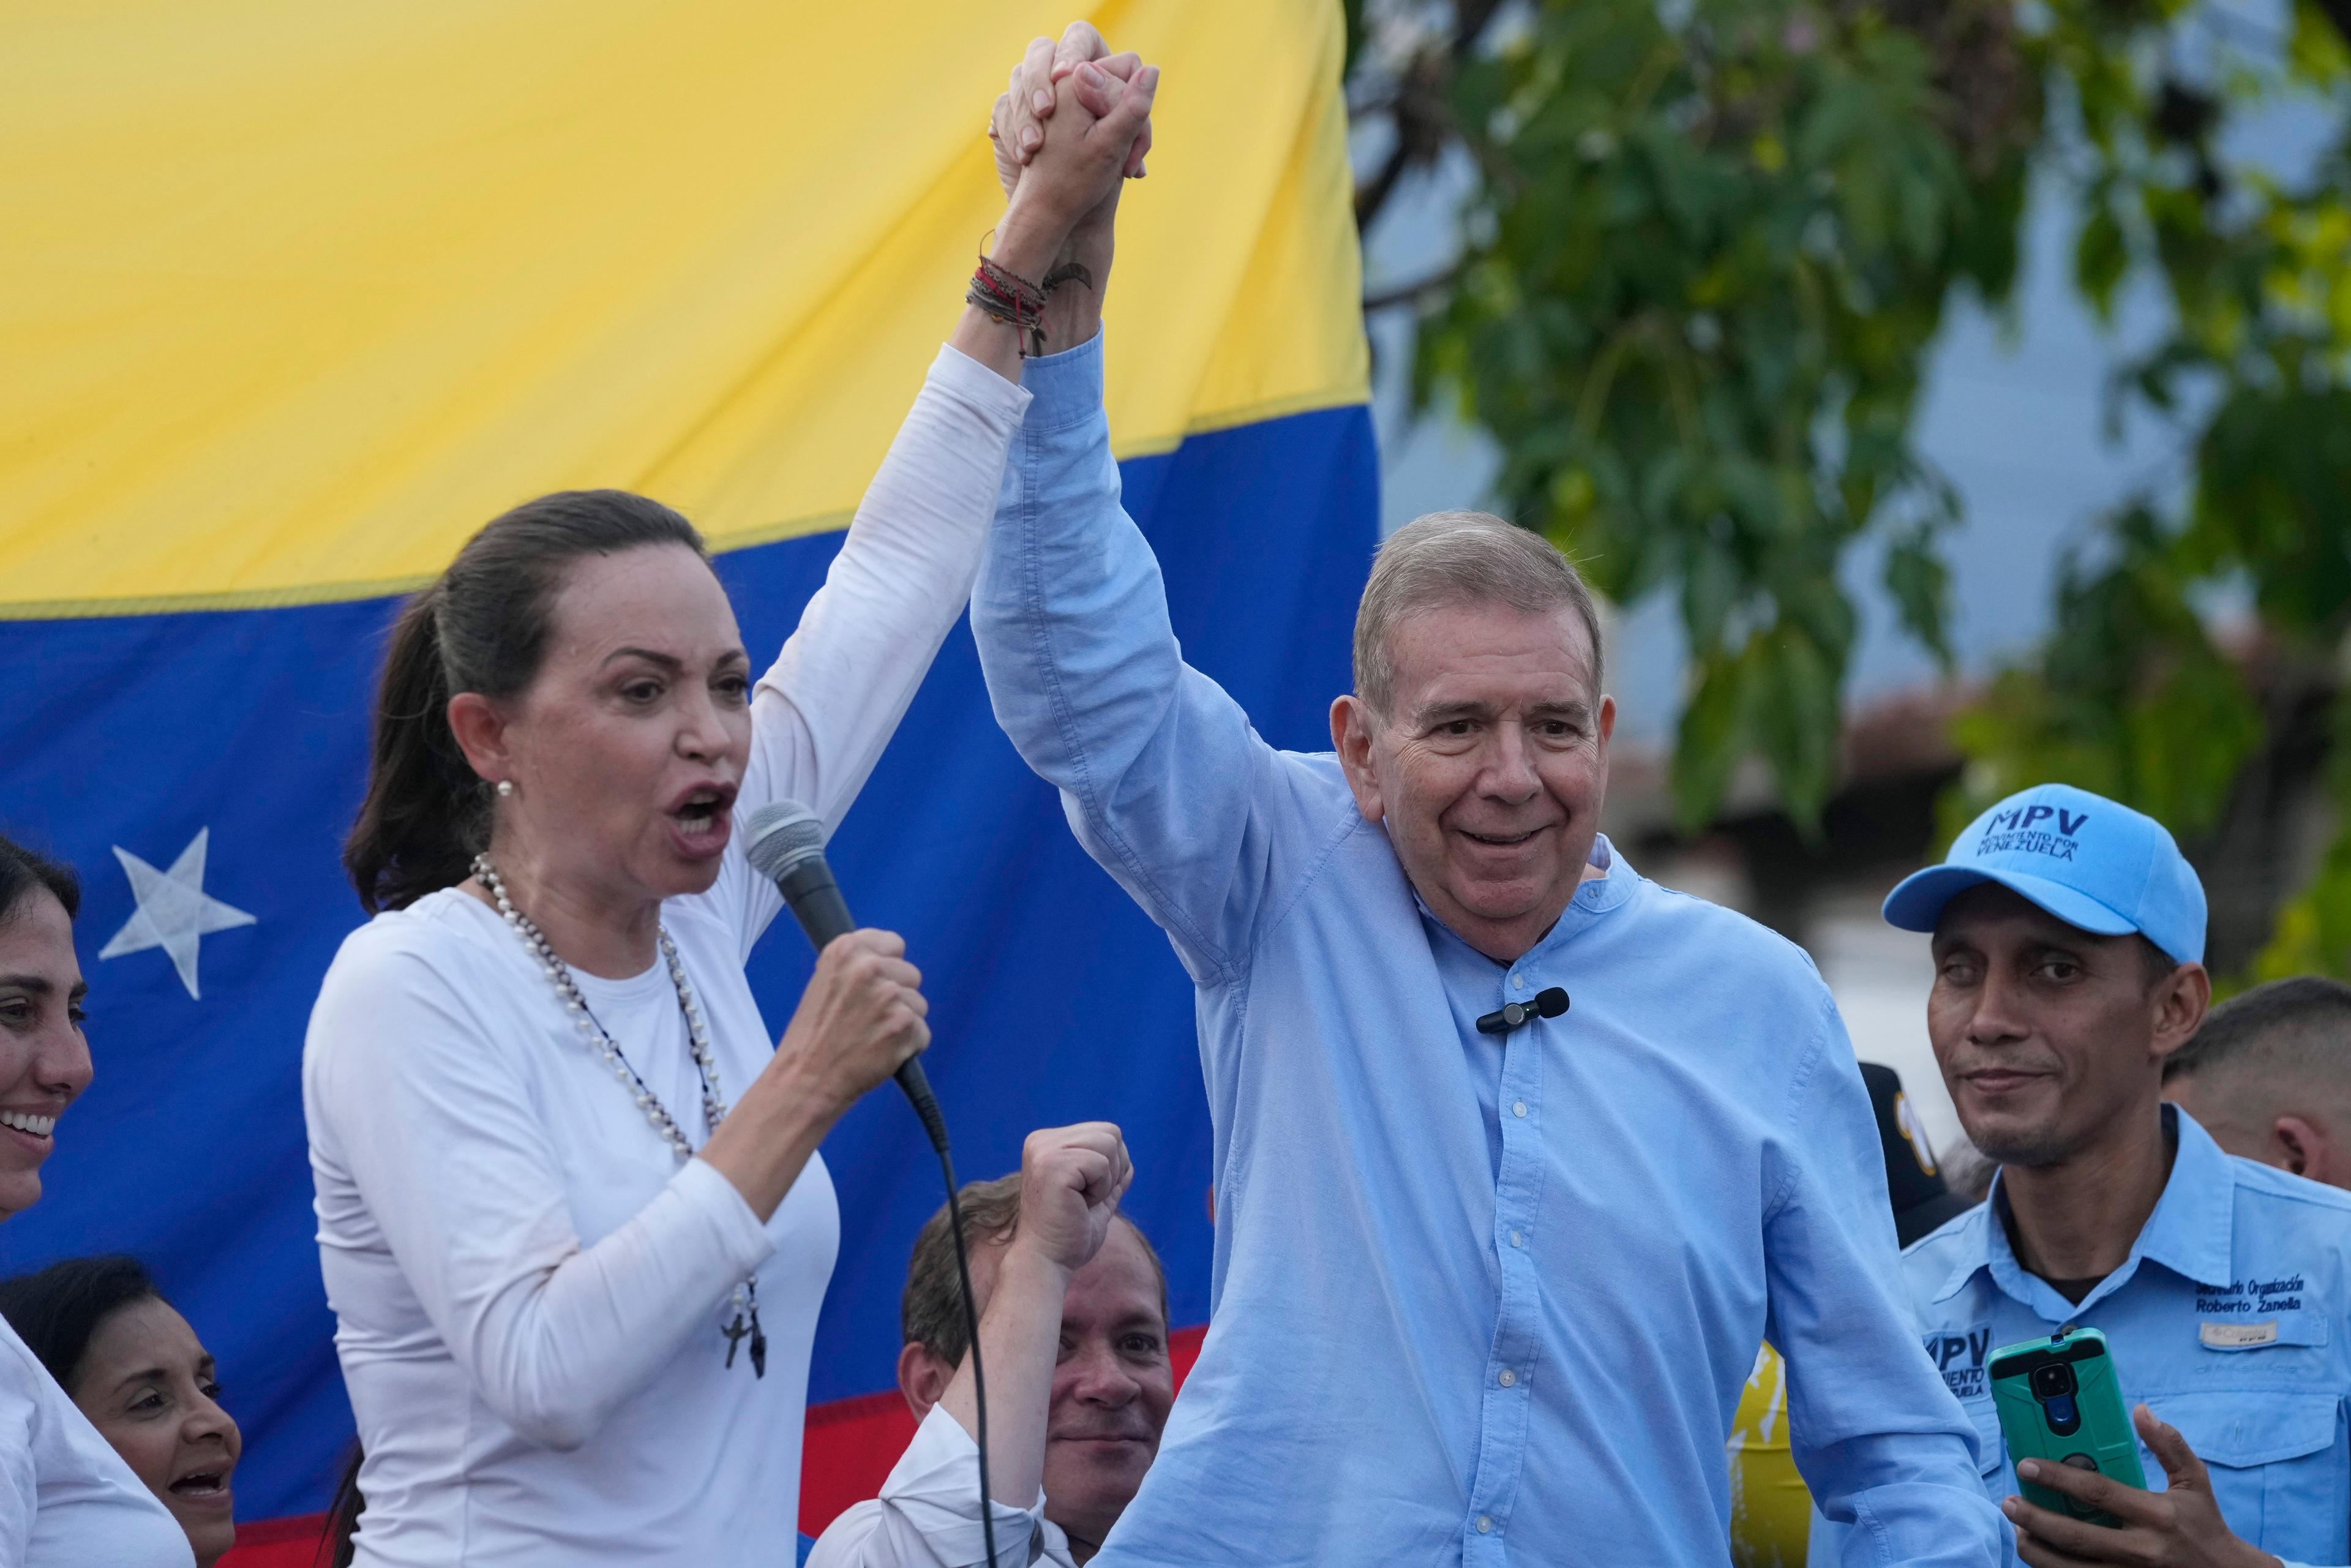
2068, 943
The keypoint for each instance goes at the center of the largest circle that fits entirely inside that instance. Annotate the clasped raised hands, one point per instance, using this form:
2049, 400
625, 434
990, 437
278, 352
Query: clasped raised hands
1099, 108
1097, 81
1048, 261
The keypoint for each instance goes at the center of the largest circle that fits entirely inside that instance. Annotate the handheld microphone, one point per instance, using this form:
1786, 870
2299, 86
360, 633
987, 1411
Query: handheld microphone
1548, 1003
784, 842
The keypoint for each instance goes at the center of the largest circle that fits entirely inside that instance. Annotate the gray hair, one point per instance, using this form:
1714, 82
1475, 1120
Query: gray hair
1449, 558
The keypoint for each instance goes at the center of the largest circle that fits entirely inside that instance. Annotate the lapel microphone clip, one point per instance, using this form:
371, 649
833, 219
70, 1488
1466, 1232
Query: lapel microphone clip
1544, 1004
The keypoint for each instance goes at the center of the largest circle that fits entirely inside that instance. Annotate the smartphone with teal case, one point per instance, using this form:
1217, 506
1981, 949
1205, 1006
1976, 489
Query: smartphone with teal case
2058, 1402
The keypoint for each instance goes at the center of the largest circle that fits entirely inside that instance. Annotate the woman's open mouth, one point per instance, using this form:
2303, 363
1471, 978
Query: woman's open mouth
703, 820
202, 1486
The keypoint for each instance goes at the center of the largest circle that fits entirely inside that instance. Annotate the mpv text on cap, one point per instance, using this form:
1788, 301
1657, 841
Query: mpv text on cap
2092, 862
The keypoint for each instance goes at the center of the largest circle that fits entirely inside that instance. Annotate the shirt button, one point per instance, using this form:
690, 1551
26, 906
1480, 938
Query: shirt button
1519, 982
1485, 1524
1507, 1377
1517, 1239
1518, 1107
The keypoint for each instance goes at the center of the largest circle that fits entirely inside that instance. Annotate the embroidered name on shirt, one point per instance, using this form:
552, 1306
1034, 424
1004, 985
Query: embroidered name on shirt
2246, 1296
2228, 1336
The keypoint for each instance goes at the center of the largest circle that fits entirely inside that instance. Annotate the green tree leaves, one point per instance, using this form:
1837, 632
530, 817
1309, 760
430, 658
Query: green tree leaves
1715, 242
2135, 694
1710, 243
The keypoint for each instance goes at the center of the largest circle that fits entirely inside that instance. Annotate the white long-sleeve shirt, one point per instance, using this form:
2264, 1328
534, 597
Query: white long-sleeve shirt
929, 1514
530, 1289
67, 1499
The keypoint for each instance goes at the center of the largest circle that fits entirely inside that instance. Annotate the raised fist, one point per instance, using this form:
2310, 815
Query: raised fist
1070, 1181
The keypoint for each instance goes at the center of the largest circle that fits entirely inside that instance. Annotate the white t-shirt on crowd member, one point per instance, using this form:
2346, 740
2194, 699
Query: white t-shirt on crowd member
531, 1290
67, 1499
929, 1514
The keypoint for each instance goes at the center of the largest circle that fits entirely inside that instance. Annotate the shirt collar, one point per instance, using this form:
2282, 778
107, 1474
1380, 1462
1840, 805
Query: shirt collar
2188, 1233
1977, 1234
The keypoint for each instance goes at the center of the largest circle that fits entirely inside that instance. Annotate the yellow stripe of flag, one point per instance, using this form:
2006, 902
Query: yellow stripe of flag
298, 295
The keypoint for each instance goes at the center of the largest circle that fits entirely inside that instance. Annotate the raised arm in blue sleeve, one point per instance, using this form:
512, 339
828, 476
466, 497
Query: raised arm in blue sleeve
1886, 1449
1160, 773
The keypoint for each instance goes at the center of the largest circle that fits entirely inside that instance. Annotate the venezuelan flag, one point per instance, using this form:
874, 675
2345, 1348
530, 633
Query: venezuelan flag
296, 296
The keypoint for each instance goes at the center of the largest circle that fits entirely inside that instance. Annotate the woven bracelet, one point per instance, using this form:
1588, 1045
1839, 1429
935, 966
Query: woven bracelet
1012, 299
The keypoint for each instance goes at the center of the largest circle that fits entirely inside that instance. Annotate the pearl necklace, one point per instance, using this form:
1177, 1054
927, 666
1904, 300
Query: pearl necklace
746, 1300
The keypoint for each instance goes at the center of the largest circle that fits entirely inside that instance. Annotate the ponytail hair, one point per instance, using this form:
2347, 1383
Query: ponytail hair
483, 628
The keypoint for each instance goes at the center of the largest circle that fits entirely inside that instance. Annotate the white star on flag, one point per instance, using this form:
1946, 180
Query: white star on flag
174, 910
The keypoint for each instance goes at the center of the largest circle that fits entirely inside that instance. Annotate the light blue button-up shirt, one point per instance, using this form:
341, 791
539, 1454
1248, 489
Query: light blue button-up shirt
2230, 1319
1474, 1300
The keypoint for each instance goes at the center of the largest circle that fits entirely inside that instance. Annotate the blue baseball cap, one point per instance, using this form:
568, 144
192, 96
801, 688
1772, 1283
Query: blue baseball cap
2093, 863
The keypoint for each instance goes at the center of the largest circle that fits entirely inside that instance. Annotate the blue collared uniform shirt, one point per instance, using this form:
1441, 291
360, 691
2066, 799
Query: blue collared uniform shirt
1474, 1300
2230, 1319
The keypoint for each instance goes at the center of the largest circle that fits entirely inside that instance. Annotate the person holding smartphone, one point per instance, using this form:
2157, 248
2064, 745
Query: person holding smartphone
2068, 939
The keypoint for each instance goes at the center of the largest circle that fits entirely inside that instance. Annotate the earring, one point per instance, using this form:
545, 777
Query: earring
505, 789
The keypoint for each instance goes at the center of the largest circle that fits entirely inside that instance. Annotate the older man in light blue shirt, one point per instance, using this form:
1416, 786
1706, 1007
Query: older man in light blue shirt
1486, 1287
2068, 939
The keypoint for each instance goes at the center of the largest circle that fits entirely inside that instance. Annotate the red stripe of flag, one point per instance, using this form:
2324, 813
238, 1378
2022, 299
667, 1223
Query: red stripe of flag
845, 1457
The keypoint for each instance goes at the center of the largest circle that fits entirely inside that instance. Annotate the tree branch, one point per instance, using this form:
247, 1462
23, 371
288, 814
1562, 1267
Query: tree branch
1419, 104
1470, 19
1373, 193
1405, 293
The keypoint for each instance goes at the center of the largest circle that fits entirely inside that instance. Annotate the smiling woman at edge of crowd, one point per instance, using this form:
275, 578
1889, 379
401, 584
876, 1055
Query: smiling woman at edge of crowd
134, 1367
67, 1498
543, 1286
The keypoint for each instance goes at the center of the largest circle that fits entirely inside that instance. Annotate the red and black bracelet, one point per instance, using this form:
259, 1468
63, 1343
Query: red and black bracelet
1020, 304
1012, 299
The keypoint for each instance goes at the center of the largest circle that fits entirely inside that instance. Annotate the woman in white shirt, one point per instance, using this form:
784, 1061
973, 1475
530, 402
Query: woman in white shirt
571, 1216
67, 1498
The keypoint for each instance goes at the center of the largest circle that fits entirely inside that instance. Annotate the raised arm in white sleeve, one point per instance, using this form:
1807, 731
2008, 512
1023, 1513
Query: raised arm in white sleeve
834, 697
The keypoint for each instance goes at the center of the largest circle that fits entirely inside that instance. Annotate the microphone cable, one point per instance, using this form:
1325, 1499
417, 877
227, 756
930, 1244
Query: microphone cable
784, 842
916, 1087
935, 1126
978, 1378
